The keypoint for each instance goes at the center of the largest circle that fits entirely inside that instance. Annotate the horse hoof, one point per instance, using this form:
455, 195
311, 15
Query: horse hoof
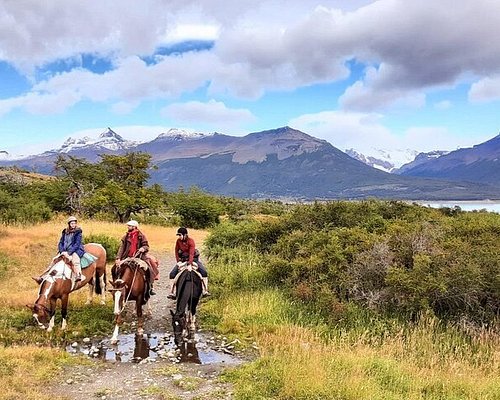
49, 329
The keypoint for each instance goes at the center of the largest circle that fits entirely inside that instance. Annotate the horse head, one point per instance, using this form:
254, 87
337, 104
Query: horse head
178, 326
119, 290
41, 314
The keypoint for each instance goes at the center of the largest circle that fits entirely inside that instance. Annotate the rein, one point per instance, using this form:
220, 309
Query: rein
132, 284
130, 290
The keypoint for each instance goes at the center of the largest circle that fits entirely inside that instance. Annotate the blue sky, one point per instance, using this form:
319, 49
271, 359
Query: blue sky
386, 74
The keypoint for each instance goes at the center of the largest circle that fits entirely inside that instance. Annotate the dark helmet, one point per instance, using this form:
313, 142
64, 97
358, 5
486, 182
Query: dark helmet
182, 231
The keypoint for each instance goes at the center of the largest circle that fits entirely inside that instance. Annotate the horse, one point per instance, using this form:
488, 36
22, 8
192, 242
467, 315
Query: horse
189, 290
56, 284
129, 283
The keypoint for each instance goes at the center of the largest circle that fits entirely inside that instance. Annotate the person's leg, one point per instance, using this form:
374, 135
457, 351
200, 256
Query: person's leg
203, 272
75, 259
39, 279
171, 276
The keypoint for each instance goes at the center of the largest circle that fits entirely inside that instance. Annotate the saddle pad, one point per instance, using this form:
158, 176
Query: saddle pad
87, 259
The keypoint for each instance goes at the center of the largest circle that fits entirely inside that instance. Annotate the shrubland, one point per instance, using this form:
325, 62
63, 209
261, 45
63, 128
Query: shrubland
361, 300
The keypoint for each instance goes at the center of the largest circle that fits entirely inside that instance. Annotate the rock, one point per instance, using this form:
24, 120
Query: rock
69, 381
74, 344
86, 340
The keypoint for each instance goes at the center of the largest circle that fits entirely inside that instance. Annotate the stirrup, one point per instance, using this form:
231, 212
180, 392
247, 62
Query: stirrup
78, 278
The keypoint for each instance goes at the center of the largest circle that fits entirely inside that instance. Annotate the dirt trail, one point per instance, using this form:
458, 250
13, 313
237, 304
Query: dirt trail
158, 378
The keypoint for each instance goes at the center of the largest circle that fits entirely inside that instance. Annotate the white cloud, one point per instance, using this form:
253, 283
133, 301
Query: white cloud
487, 89
408, 46
212, 113
366, 132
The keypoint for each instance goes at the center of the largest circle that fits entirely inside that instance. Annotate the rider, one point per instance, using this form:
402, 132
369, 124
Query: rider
185, 250
135, 244
70, 247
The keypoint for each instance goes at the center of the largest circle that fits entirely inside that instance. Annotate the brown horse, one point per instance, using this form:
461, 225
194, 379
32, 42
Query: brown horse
57, 285
129, 283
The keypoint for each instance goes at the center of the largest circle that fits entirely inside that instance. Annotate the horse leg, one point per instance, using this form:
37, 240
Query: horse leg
118, 322
192, 323
140, 318
102, 281
64, 310
90, 294
52, 314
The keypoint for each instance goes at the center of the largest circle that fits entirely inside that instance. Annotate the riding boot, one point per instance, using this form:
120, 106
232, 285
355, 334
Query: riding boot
205, 287
171, 295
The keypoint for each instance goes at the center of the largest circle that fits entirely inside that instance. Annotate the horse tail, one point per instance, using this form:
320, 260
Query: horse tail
97, 287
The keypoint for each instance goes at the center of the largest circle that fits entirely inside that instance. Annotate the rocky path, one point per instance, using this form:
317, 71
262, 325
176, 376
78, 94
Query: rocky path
162, 372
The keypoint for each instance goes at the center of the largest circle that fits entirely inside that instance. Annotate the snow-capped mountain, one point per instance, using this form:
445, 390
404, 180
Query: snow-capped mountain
384, 159
175, 134
421, 158
108, 140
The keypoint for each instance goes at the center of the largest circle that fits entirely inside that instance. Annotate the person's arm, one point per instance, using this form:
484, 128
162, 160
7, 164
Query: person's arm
60, 246
144, 244
177, 248
192, 248
121, 249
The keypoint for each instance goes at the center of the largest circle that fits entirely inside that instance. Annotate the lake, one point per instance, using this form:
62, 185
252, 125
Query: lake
492, 206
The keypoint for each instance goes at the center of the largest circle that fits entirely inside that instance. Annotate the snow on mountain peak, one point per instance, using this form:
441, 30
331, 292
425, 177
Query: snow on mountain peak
384, 159
108, 139
180, 134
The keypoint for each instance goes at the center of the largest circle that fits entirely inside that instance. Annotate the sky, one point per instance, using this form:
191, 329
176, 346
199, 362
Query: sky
388, 74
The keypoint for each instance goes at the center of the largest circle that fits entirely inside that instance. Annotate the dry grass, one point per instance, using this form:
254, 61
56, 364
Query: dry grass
311, 368
32, 247
423, 361
25, 371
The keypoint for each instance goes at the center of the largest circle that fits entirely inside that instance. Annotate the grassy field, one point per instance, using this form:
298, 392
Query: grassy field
27, 354
363, 358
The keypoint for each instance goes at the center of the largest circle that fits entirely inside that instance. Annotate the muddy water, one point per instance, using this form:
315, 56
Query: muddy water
157, 346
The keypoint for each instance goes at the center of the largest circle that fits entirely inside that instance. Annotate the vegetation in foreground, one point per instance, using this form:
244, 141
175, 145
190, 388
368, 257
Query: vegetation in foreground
367, 300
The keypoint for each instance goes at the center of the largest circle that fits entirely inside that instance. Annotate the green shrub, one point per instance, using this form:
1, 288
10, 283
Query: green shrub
110, 243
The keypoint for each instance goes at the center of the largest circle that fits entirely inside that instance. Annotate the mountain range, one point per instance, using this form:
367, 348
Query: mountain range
280, 163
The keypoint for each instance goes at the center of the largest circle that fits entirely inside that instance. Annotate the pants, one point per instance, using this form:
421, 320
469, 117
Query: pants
201, 270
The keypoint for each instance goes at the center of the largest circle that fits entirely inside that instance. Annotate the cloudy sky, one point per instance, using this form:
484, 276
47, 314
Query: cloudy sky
392, 74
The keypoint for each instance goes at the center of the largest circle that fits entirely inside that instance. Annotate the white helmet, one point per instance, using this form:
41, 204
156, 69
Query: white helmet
71, 219
133, 222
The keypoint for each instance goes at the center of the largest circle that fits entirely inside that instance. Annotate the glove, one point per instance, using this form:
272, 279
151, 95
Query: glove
180, 263
141, 250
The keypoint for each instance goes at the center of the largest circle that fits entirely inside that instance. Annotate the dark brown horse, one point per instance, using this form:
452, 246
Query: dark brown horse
129, 284
57, 284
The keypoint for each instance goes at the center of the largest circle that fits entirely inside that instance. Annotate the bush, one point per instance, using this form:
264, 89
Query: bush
111, 244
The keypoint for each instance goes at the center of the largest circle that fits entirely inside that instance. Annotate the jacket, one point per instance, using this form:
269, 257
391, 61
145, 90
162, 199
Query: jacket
73, 243
142, 241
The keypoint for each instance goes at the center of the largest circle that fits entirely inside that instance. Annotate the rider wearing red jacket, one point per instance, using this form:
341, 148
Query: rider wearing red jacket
185, 250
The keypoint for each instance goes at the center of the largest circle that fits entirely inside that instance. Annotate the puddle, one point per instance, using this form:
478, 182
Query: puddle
155, 347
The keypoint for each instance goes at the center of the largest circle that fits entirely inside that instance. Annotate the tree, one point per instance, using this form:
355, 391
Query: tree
117, 184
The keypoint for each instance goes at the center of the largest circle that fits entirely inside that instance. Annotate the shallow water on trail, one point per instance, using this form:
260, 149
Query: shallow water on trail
158, 346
